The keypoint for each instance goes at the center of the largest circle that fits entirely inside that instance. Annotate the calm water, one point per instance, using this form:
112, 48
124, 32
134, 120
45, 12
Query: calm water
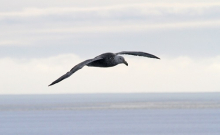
110, 114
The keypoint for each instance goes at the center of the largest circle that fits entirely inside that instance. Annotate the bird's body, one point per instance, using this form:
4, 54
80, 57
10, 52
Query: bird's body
107, 61
103, 60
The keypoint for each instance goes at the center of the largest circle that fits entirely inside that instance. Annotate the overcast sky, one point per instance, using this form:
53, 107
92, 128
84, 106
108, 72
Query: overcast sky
41, 40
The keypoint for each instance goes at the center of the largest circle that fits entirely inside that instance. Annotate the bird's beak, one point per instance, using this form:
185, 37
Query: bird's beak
125, 62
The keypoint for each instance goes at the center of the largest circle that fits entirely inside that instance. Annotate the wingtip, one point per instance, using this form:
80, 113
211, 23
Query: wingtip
156, 57
50, 84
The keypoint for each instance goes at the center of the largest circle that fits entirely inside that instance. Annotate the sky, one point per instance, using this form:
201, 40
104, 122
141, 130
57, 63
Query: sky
42, 40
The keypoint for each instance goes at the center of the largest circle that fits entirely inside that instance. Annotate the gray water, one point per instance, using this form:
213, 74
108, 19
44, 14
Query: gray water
111, 114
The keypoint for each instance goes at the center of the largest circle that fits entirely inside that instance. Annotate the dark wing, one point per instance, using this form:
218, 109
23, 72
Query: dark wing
138, 54
74, 69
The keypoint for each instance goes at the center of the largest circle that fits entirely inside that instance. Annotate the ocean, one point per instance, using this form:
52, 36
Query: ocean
111, 114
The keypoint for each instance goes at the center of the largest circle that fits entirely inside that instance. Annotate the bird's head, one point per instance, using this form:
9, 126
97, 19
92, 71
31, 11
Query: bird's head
120, 59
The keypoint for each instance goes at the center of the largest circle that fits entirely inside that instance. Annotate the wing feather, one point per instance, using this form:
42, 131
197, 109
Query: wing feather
144, 54
74, 69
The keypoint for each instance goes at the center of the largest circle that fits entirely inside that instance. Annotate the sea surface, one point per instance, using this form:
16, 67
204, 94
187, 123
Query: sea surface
111, 114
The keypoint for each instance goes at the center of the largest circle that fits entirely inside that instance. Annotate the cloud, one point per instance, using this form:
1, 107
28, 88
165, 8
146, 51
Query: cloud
133, 27
13, 43
147, 12
104, 19
38, 30
182, 74
142, 8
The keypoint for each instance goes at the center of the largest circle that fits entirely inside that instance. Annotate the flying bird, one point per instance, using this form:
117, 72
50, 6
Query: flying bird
104, 60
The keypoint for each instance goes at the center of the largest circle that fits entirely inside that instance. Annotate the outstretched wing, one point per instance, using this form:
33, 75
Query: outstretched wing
144, 54
74, 69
